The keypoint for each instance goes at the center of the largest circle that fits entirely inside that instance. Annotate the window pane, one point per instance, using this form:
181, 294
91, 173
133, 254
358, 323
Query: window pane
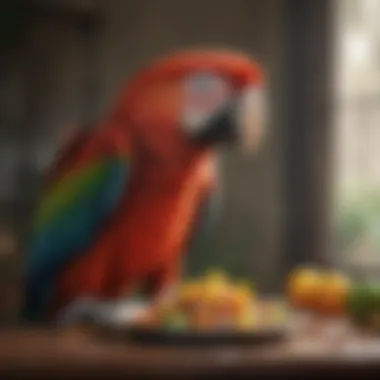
358, 128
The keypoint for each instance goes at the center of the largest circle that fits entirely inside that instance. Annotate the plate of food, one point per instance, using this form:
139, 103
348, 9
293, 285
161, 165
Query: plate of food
211, 309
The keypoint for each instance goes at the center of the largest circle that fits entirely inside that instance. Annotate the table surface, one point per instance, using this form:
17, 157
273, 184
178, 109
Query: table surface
68, 353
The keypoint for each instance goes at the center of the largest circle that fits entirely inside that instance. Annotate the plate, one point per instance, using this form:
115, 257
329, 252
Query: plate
188, 337
268, 332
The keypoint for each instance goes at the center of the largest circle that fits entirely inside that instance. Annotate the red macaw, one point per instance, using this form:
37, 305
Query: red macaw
125, 200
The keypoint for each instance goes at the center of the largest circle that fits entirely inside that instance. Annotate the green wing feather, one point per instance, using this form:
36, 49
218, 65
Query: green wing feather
71, 213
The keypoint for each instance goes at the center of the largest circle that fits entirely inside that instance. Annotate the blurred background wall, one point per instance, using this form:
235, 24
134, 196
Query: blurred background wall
64, 62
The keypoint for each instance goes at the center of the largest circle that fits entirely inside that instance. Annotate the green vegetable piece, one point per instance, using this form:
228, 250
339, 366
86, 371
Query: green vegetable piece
175, 322
360, 303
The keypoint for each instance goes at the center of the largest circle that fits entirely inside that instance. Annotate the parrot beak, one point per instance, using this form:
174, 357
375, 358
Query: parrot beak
241, 121
252, 118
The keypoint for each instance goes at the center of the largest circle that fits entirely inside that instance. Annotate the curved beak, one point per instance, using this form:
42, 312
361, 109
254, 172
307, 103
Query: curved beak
252, 118
242, 121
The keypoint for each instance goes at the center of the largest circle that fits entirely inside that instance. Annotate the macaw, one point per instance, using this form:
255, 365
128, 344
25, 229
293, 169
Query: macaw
126, 199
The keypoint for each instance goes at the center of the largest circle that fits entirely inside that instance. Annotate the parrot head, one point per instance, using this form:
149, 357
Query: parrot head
198, 98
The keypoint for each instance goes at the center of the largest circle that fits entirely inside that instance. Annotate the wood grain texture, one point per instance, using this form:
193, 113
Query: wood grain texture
30, 353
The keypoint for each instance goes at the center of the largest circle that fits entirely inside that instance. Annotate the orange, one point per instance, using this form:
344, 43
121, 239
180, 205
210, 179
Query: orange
305, 286
333, 298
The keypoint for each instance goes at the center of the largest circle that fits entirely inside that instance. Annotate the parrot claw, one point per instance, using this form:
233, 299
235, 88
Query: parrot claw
118, 312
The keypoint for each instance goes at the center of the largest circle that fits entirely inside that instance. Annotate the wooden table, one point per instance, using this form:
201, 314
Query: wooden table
25, 353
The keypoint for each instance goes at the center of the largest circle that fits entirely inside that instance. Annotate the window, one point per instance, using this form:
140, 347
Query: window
358, 128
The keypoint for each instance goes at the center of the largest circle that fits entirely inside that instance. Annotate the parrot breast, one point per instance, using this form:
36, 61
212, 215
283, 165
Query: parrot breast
157, 218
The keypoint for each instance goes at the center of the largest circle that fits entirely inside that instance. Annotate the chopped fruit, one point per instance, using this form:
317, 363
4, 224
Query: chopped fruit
216, 276
190, 290
201, 318
212, 301
214, 285
244, 293
212, 291
189, 295
175, 321
246, 321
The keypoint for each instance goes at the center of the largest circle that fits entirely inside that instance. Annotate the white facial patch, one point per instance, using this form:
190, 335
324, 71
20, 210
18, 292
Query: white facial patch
204, 94
252, 117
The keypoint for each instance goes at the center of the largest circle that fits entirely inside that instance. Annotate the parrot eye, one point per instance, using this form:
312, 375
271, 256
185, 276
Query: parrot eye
203, 94
204, 83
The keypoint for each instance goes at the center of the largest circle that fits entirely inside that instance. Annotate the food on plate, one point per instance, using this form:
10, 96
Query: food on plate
212, 301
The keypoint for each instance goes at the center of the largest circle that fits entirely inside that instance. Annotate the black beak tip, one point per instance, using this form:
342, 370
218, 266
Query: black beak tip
221, 128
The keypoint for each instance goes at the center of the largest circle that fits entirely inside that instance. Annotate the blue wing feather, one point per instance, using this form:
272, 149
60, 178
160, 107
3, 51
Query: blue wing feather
68, 233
